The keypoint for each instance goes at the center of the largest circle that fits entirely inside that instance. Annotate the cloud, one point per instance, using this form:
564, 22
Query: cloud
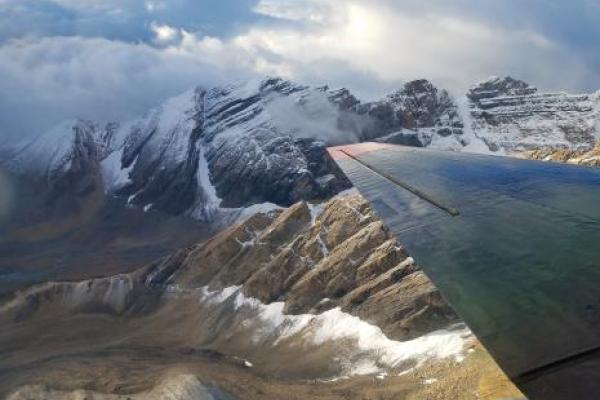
325, 41
312, 11
314, 118
112, 59
152, 6
45, 81
164, 34
123, 20
393, 42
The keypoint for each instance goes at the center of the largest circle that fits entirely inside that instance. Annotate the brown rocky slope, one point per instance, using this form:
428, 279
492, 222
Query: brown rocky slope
578, 157
346, 259
307, 302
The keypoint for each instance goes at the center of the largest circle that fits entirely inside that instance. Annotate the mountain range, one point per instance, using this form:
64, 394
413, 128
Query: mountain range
213, 150
209, 248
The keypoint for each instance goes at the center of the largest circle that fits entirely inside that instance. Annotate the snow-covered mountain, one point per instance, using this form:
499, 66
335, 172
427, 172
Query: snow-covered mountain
228, 146
510, 114
419, 114
264, 141
235, 145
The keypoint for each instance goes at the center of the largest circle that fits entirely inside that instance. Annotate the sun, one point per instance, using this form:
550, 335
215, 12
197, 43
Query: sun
363, 25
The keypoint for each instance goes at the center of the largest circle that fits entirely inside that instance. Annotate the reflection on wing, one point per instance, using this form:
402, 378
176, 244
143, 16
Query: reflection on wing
514, 246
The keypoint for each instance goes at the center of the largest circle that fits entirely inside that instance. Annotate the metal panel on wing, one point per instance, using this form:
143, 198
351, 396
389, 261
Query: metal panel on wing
519, 260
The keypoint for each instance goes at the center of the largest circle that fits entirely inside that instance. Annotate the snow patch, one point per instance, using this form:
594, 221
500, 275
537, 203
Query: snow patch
208, 202
381, 376
315, 210
114, 175
210, 192
261, 208
368, 350
48, 152
474, 143
322, 245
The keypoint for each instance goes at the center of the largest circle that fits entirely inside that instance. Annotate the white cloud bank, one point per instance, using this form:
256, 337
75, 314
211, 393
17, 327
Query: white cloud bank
369, 47
327, 41
393, 45
45, 81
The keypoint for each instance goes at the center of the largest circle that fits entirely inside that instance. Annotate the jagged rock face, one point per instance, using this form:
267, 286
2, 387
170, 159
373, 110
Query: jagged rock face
342, 256
195, 317
231, 146
499, 87
159, 152
254, 156
510, 114
415, 115
346, 259
235, 145
422, 105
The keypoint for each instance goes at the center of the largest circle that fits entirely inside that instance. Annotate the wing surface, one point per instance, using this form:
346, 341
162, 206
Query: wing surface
513, 245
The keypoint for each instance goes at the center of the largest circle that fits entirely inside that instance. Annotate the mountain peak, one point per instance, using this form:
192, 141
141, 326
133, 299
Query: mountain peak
280, 85
495, 87
419, 86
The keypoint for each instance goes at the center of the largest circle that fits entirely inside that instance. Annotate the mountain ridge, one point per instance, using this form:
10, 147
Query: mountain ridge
209, 150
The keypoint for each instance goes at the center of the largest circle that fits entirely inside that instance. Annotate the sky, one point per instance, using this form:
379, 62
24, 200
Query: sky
113, 59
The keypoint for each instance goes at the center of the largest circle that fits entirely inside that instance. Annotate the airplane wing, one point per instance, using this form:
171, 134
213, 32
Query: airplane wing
513, 245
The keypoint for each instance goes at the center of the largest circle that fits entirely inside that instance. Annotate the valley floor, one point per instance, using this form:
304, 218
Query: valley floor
180, 377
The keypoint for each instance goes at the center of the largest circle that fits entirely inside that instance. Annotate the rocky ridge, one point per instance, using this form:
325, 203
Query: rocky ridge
318, 297
346, 259
234, 145
419, 115
340, 256
578, 157
210, 150
509, 114
326, 278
